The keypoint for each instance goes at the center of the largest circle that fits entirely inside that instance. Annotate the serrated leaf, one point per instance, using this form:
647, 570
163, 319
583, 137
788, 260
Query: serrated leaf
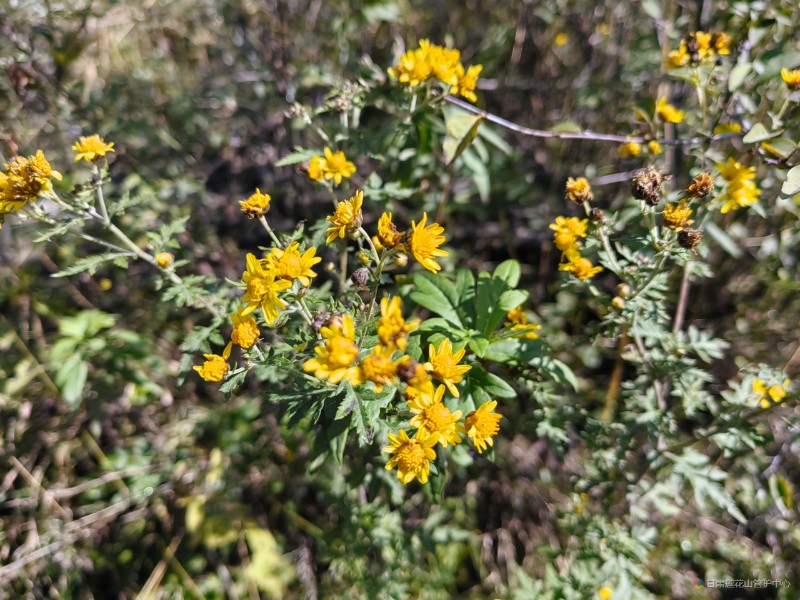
90, 264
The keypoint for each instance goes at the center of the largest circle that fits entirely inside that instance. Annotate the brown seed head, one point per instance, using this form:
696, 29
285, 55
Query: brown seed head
360, 277
646, 186
690, 238
702, 185
597, 216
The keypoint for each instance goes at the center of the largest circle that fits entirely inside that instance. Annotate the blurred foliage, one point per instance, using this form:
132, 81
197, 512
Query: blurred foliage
132, 477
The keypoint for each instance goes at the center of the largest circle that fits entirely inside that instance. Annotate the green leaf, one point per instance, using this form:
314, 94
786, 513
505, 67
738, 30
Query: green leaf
71, 378
491, 384
478, 345
653, 9
566, 127
511, 299
299, 155
556, 370
738, 74
791, 186
268, 570
90, 264
465, 291
509, 272
781, 147
491, 136
758, 133
438, 295
723, 239
461, 130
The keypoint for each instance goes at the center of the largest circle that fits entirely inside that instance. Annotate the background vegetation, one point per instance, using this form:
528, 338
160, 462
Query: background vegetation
122, 474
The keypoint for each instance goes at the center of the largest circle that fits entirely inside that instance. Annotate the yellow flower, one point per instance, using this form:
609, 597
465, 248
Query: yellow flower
290, 264
742, 189
482, 425
424, 243
256, 206
164, 259
337, 356
728, 127
444, 63
414, 67
667, 112
605, 593
568, 231
561, 39
580, 267
721, 42
91, 148
678, 58
412, 457
432, 416
791, 78
518, 321
416, 377
379, 368
388, 236
654, 148
216, 367
579, 190
676, 216
245, 331
347, 217
262, 289
315, 168
466, 82
630, 149
699, 42
443, 365
392, 327
772, 395
25, 180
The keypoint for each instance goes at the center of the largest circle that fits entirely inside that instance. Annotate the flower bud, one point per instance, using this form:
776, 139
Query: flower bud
618, 303
690, 238
360, 277
598, 216
164, 259
623, 290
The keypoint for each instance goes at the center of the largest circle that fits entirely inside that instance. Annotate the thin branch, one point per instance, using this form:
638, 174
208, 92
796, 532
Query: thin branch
581, 135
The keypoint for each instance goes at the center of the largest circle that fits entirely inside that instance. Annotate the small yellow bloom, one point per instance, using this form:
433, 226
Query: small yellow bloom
416, 377
654, 148
482, 425
772, 395
443, 365
256, 206
630, 149
667, 112
728, 127
742, 189
262, 289
605, 593
106, 284
432, 416
91, 148
678, 58
164, 259
580, 267
379, 368
289, 264
335, 358
676, 216
216, 367
388, 235
579, 190
518, 321
346, 219
334, 165
424, 243
791, 78
245, 331
568, 231
721, 43
561, 39
392, 327
412, 457
414, 67
466, 82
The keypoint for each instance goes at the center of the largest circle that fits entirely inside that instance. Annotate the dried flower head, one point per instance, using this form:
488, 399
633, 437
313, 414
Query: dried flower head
690, 238
360, 277
702, 185
646, 185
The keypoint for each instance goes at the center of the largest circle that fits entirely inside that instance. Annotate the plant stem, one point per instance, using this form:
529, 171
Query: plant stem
683, 297
101, 201
271, 233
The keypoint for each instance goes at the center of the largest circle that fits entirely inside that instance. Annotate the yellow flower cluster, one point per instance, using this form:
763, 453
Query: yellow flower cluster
434, 422
518, 321
742, 189
332, 166
432, 62
422, 241
767, 396
567, 238
699, 47
24, 180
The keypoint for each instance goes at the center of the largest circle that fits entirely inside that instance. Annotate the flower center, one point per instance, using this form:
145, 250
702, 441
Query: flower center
443, 366
438, 418
257, 287
485, 425
341, 352
290, 266
410, 457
